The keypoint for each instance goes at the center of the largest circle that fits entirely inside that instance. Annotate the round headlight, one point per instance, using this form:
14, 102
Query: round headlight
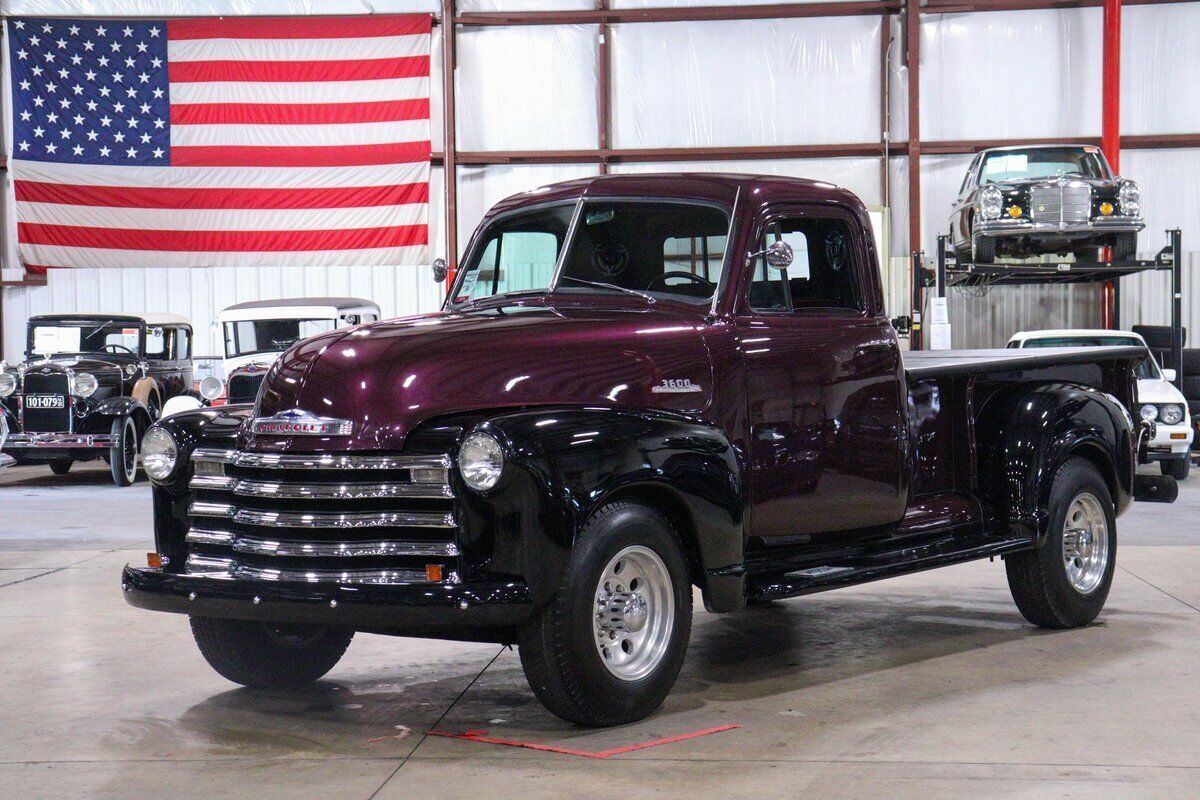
84, 385
159, 453
8, 383
211, 388
1170, 414
990, 201
1149, 412
480, 460
1130, 198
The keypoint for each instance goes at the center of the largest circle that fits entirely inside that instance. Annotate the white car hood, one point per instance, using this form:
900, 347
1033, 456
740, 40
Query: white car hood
1157, 390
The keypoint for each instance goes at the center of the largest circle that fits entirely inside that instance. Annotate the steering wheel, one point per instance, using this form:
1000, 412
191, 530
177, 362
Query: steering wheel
123, 347
700, 280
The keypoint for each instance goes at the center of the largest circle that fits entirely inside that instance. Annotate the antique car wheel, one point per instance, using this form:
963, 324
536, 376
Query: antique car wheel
1065, 582
1124, 246
122, 457
608, 648
983, 250
61, 466
1177, 468
268, 655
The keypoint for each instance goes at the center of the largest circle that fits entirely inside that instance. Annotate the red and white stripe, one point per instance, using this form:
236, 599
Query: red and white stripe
293, 142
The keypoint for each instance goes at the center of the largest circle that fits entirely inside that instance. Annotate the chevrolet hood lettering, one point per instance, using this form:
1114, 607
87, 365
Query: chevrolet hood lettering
298, 422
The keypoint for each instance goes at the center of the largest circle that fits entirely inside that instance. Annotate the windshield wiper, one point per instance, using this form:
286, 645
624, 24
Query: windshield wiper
603, 285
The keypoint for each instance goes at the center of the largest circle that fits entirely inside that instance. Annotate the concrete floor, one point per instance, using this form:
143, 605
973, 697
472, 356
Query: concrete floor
923, 687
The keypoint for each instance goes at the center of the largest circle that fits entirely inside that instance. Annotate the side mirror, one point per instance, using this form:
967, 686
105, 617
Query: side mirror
1169, 374
778, 255
439, 269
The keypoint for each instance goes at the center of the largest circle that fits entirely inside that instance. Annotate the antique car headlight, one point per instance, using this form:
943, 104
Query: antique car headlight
211, 388
8, 383
159, 453
1170, 414
1148, 412
1130, 198
990, 202
480, 461
84, 385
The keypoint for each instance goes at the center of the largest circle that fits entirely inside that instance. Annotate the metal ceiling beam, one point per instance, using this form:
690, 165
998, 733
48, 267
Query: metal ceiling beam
695, 14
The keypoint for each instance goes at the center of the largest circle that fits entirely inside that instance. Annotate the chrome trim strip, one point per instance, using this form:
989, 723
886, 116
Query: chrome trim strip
321, 491
284, 519
241, 458
229, 569
54, 441
287, 548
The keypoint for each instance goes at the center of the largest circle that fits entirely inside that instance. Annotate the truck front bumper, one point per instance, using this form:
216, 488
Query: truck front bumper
60, 441
1170, 441
1022, 227
446, 610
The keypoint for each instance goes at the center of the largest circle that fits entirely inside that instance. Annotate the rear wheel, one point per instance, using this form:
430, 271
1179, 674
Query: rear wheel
608, 648
1177, 468
61, 466
122, 456
1065, 582
265, 655
1124, 246
983, 249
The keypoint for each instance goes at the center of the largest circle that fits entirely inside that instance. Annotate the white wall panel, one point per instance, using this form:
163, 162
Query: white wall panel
208, 8
1011, 74
751, 82
1160, 64
525, 5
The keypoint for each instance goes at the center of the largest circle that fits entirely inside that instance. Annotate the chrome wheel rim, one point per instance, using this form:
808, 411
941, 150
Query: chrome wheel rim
634, 613
129, 450
1085, 543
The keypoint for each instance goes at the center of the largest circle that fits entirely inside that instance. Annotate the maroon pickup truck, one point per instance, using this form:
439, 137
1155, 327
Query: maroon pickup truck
636, 386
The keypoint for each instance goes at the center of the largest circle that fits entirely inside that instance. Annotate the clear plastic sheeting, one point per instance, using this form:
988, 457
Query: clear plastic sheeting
525, 5
1011, 74
745, 83
695, 3
211, 8
1159, 67
527, 88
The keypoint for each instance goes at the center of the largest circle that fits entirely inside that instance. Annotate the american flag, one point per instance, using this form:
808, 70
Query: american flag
221, 142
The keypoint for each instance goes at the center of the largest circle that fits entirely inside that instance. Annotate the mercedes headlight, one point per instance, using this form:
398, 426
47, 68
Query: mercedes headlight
480, 461
1149, 412
8, 383
1130, 198
1170, 414
211, 388
84, 385
159, 453
991, 200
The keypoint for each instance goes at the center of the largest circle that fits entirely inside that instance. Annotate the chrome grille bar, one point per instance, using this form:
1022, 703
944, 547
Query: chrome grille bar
321, 491
240, 458
269, 547
227, 568
283, 519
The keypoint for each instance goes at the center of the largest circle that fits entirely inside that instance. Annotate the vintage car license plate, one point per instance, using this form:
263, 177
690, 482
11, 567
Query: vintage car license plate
45, 401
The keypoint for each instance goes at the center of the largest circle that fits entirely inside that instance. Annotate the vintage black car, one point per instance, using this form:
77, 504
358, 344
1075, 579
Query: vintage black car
1025, 201
91, 385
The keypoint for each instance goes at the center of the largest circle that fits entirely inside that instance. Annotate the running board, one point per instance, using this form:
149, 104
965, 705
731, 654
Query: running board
768, 585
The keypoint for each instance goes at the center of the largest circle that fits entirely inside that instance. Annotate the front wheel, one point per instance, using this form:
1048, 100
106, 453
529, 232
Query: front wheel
265, 655
608, 648
1124, 246
1177, 468
122, 456
983, 249
60, 466
1065, 582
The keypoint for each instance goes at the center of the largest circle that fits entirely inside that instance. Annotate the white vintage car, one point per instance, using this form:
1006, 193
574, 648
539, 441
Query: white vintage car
257, 332
1157, 398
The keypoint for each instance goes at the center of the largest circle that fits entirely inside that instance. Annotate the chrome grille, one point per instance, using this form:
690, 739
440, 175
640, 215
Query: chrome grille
373, 519
1067, 202
244, 388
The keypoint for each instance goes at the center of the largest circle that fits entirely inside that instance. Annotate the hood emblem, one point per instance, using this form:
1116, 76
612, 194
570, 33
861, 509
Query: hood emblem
298, 422
676, 386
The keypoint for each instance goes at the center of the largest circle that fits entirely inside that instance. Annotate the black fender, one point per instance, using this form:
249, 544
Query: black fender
563, 464
1026, 433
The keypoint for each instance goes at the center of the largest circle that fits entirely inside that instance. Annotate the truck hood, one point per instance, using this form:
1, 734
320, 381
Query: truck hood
388, 377
1157, 390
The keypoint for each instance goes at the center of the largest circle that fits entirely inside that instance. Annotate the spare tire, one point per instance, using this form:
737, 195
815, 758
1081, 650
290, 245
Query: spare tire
1191, 387
1157, 337
1191, 361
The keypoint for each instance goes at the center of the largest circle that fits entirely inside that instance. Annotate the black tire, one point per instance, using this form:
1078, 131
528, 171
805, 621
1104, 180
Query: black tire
1191, 387
983, 250
61, 466
269, 656
1177, 468
1038, 578
1191, 362
558, 647
1158, 337
1124, 246
122, 457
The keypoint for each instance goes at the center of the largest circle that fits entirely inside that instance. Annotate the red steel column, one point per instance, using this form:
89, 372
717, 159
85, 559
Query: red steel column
450, 143
1110, 137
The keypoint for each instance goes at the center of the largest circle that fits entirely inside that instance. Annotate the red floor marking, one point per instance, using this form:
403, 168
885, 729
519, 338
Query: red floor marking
483, 738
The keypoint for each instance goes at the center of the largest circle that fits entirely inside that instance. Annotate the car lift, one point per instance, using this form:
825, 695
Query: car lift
951, 272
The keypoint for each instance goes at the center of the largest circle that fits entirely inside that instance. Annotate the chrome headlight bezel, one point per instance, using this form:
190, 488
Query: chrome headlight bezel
84, 384
1148, 412
1170, 413
160, 454
991, 202
480, 461
1129, 198
211, 387
8, 384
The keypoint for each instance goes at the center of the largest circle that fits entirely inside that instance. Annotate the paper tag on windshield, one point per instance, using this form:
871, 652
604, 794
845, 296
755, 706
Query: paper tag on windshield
468, 284
56, 340
129, 331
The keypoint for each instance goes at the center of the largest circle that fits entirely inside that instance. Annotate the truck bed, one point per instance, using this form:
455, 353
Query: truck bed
935, 363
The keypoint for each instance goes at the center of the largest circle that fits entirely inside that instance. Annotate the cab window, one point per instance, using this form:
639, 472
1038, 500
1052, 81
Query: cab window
822, 275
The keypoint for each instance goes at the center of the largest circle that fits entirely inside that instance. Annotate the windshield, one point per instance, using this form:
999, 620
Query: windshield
1042, 162
249, 336
1147, 367
657, 249
64, 338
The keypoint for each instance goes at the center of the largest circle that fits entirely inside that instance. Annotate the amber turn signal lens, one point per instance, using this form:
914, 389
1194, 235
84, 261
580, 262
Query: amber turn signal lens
1106, 209
433, 573
1015, 211
1178, 435
155, 560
